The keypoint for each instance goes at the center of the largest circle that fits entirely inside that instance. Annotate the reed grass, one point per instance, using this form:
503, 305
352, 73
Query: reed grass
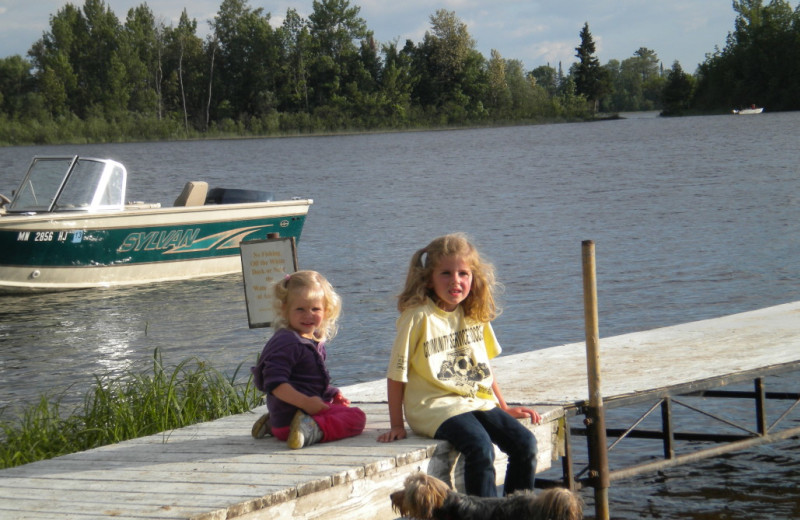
124, 407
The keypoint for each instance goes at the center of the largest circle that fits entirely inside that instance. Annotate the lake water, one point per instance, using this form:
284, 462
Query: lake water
692, 218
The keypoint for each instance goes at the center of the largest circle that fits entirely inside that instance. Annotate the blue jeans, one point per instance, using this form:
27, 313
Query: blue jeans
474, 433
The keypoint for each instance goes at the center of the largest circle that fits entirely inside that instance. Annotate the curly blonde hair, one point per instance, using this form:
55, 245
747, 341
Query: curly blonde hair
479, 305
312, 285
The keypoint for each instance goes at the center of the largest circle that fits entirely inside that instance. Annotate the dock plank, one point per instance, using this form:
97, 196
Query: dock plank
644, 361
216, 470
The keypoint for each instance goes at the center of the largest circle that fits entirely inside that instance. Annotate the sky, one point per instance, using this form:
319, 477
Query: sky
536, 32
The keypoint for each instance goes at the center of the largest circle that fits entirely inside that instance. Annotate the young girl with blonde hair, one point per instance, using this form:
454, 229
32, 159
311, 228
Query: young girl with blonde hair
439, 370
303, 406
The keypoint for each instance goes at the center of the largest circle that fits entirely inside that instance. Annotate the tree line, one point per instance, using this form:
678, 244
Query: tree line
94, 78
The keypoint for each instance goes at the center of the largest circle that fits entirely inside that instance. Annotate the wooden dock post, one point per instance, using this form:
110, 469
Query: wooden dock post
595, 416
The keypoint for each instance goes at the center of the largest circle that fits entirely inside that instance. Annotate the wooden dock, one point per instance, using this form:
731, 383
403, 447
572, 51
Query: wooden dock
217, 471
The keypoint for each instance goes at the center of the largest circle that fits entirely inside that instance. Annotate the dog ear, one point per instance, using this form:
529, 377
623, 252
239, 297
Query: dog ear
430, 496
398, 498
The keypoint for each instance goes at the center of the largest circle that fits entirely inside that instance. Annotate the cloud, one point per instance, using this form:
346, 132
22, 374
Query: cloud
553, 52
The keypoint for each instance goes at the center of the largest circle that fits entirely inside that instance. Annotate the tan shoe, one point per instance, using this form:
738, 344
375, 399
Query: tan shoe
261, 427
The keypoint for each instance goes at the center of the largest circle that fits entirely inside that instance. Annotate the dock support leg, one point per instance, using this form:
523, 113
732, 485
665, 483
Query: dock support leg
566, 461
761, 414
666, 428
598, 460
595, 420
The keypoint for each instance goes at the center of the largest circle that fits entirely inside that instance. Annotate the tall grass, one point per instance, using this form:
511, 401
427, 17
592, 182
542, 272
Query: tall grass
124, 407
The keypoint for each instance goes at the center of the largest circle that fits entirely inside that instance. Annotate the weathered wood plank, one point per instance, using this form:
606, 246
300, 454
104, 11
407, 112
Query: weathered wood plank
170, 479
660, 358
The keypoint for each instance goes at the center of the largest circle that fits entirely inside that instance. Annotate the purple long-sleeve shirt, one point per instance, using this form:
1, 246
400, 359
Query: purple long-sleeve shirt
290, 358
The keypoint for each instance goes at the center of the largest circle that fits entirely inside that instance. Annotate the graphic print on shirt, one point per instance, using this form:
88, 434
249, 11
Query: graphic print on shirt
459, 368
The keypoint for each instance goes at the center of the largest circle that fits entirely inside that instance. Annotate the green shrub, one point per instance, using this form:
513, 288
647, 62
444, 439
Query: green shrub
125, 407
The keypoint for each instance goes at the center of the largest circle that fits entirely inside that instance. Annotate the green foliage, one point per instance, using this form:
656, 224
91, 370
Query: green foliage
118, 409
545, 77
92, 78
636, 83
16, 85
591, 80
678, 92
760, 63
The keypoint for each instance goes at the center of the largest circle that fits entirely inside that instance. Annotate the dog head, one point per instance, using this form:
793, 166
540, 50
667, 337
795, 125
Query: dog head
558, 504
420, 497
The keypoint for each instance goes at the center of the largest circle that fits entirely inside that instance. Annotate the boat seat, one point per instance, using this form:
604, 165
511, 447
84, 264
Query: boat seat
193, 194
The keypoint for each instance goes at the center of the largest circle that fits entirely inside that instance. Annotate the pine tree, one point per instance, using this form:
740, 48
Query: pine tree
677, 94
591, 80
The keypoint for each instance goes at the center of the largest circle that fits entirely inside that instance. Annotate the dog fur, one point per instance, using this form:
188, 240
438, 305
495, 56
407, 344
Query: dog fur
427, 498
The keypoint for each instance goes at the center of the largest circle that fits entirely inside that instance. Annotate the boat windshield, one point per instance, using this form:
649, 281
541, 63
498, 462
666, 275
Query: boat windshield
41, 185
71, 184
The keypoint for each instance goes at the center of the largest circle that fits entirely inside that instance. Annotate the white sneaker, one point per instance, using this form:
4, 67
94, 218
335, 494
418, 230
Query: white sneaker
303, 431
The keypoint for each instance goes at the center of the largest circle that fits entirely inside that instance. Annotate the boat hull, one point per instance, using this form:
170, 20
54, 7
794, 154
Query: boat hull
748, 111
65, 251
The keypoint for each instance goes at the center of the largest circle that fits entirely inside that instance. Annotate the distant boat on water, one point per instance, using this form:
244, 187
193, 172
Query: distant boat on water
748, 111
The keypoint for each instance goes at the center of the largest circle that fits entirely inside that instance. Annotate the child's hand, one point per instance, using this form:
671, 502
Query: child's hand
521, 412
314, 405
395, 434
340, 399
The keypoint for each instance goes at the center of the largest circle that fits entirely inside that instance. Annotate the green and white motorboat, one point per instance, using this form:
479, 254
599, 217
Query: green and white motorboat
68, 226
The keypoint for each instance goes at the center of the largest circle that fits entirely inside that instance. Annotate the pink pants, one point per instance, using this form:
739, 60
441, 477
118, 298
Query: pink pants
337, 422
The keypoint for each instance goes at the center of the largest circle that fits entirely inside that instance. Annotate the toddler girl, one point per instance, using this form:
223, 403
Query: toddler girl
303, 406
439, 369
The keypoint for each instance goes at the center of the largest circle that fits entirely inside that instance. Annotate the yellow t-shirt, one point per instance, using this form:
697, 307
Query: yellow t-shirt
443, 358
